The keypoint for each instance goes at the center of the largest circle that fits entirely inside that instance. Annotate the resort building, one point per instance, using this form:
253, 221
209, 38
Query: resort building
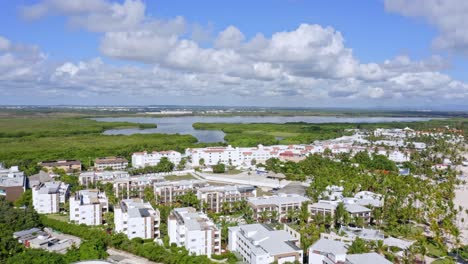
143, 159
48, 196
113, 163
325, 207
259, 244
91, 177
134, 186
166, 192
69, 166
215, 197
326, 251
87, 207
194, 231
136, 218
12, 183
280, 204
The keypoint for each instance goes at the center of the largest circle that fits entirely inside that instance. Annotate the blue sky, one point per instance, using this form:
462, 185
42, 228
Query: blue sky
395, 53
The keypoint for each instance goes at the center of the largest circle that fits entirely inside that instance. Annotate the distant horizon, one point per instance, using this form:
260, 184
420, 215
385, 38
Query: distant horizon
240, 107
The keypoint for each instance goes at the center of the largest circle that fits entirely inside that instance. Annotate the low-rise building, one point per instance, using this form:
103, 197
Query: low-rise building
114, 163
48, 196
39, 178
259, 244
194, 231
47, 240
91, 177
134, 186
166, 192
326, 251
69, 166
136, 218
215, 197
324, 207
280, 204
12, 183
143, 159
87, 207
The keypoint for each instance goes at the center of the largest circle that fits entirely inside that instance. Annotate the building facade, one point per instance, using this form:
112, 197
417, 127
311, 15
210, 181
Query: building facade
143, 159
69, 166
259, 244
12, 183
87, 207
279, 204
166, 192
114, 163
48, 196
136, 218
194, 231
215, 197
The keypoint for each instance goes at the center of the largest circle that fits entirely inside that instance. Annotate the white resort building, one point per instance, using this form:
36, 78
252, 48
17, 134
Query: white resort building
194, 231
48, 196
136, 218
259, 244
143, 159
87, 207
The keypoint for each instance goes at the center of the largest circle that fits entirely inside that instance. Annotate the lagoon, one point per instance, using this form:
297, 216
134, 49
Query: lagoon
183, 125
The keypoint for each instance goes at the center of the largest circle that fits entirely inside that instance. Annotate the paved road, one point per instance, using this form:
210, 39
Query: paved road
122, 257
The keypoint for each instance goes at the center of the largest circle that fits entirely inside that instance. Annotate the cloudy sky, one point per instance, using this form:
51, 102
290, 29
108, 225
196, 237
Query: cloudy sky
324, 53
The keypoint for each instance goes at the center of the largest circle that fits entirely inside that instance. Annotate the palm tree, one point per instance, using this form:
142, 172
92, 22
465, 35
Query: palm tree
264, 215
274, 216
380, 247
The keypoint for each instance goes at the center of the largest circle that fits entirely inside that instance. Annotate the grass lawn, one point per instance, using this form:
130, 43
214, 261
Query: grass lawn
60, 217
179, 177
232, 172
436, 252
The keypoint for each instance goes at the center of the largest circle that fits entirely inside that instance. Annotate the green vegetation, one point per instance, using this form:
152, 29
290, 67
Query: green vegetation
36, 127
26, 140
164, 165
303, 133
219, 168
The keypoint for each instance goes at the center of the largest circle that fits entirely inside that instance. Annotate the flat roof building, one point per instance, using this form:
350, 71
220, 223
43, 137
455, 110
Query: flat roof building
69, 166
136, 218
218, 196
48, 196
259, 244
12, 183
114, 163
280, 204
87, 207
194, 231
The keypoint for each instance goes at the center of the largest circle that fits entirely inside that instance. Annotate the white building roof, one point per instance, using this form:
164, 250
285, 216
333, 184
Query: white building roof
367, 258
268, 241
329, 246
277, 199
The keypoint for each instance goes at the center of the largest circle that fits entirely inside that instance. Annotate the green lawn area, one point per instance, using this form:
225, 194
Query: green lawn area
436, 252
179, 177
232, 172
60, 217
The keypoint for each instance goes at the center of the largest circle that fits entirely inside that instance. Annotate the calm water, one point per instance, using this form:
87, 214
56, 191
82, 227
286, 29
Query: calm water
183, 125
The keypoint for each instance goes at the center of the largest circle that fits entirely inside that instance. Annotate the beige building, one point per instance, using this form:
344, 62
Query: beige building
69, 166
216, 196
115, 163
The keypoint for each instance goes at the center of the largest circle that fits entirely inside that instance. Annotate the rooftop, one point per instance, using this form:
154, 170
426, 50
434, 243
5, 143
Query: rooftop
192, 219
367, 258
266, 240
277, 199
329, 246
109, 160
